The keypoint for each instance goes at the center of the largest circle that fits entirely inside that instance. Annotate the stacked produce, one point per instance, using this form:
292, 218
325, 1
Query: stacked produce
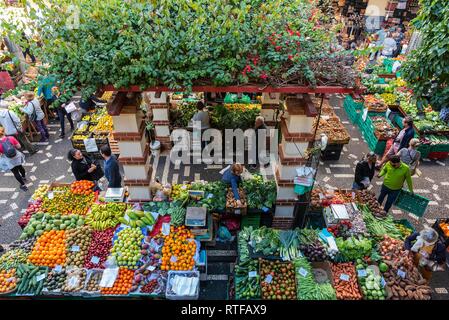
354, 248
371, 284
93, 281
389, 98
307, 287
247, 282
157, 284
41, 222
122, 284
379, 227
31, 279
179, 249
49, 249
82, 187
40, 192
405, 231
151, 254
126, 248
8, 280
99, 248
445, 227
55, 280
345, 281
75, 280
265, 241
242, 243
403, 278
32, 209
368, 198
431, 121
63, 201
231, 202
311, 246
260, 193
104, 216
25, 244
289, 244
278, 280
12, 259
341, 229
214, 195
137, 218
77, 244
383, 130
357, 225
333, 129
372, 103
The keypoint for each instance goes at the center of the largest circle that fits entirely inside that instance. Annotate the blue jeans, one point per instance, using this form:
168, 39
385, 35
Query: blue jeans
392, 196
42, 128
355, 186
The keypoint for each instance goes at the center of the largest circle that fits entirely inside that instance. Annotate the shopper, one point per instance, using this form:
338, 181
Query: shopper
36, 115
428, 250
89, 104
45, 89
13, 127
62, 113
13, 158
83, 167
389, 46
259, 126
395, 172
410, 156
401, 141
26, 49
364, 172
201, 116
111, 168
232, 177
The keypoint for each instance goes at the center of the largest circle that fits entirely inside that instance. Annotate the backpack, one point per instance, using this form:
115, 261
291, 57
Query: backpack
33, 115
8, 149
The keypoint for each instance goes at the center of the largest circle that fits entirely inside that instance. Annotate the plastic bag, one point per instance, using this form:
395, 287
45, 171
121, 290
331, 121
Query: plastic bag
224, 234
232, 224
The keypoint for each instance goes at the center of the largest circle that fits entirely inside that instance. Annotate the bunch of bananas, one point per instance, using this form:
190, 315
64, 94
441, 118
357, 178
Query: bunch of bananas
104, 124
107, 95
104, 216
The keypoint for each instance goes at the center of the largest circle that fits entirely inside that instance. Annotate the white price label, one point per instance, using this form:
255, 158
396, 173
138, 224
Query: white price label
361, 273
40, 277
95, 260
75, 248
344, 277
73, 282
268, 278
173, 259
10, 279
151, 268
402, 274
382, 282
166, 229
303, 272
57, 268
51, 195
252, 274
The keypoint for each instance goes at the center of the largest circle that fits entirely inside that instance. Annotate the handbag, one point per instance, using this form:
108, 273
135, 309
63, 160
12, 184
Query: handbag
70, 107
33, 115
98, 173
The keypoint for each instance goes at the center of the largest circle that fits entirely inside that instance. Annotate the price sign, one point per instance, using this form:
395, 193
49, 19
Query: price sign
73, 282
10, 279
265, 209
50, 195
365, 115
75, 248
210, 196
166, 229
303, 272
402, 274
173, 259
40, 277
382, 282
344, 277
361, 273
57, 268
95, 260
268, 278
151, 268
252, 274
91, 145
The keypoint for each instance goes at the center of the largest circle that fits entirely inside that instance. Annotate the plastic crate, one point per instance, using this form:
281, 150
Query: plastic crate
440, 147
412, 203
250, 220
398, 121
406, 224
424, 149
437, 155
171, 274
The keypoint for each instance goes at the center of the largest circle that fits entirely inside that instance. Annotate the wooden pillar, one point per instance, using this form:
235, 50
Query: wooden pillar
129, 132
297, 136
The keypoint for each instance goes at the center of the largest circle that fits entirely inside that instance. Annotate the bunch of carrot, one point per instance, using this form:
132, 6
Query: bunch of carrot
345, 281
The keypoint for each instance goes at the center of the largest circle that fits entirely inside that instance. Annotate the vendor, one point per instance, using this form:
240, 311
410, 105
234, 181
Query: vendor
89, 104
429, 251
201, 116
364, 172
232, 176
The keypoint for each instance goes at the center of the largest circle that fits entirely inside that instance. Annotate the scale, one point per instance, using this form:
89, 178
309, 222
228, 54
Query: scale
196, 219
115, 195
335, 213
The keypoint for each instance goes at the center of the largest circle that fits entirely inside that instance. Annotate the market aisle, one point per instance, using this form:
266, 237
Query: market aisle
432, 184
47, 165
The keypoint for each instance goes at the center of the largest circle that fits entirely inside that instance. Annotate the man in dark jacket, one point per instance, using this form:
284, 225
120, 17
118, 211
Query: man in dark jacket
364, 172
111, 168
89, 104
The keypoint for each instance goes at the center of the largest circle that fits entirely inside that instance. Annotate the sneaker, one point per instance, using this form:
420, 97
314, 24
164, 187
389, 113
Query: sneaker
62, 135
24, 188
33, 152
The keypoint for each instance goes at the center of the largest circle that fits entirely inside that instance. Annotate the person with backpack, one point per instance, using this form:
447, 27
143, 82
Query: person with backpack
13, 158
36, 115
13, 127
410, 156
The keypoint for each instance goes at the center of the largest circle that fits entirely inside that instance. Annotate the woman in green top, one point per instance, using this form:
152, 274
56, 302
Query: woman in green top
395, 172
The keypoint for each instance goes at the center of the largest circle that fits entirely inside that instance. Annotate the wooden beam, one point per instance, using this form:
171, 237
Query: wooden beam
238, 89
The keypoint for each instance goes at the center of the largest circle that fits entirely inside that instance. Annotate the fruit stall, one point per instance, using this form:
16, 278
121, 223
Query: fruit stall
355, 253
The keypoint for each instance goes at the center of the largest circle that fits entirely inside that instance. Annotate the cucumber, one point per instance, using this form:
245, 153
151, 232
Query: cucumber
39, 288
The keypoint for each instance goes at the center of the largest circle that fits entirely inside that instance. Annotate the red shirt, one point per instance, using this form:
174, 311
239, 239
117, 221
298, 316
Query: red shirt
13, 141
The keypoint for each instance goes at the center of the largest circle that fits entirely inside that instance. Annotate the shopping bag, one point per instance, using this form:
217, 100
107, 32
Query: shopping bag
70, 107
